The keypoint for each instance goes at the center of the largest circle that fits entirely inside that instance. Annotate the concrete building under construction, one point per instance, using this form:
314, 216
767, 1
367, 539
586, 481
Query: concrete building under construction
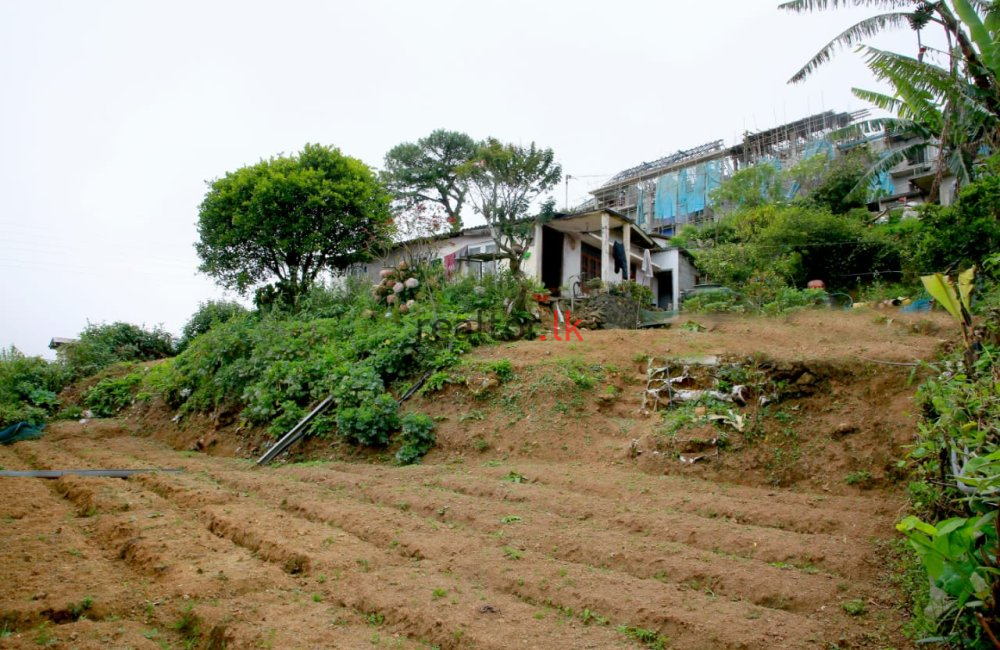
667, 193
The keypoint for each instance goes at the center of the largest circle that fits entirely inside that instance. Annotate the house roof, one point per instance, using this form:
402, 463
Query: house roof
713, 149
442, 236
752, 145
590, 221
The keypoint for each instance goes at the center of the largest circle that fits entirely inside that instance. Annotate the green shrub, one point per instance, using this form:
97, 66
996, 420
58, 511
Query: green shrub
469, 294
795, 243
208, 314
502, 368
436, 382
417, 437
966, 233
632, 289
273, 366
28, 387
358, 384
112, 395
765, 295
100, 346
711, 302
789, 299
214, 369
372, 423
954, 531
290, 414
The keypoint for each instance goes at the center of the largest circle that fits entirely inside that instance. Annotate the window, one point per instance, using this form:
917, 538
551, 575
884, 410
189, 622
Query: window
590, 262
917, 157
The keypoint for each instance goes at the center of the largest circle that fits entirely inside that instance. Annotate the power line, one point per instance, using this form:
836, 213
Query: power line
795, 245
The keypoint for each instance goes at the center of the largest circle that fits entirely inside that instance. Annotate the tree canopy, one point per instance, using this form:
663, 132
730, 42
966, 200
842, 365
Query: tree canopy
427, 171
289, 218
504, 181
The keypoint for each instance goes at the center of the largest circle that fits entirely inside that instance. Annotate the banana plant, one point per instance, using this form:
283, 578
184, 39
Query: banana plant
972, 25
956, 300
957, 108
960, 557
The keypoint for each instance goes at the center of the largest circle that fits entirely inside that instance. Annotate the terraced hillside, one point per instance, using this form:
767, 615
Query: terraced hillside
565, 544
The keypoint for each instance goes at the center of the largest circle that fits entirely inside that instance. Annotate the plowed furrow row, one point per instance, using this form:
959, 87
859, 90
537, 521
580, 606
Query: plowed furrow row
760, 508
666, 607
51, 570
458, 534
153, 537
367, 579
773, 508
838, 555
642, 556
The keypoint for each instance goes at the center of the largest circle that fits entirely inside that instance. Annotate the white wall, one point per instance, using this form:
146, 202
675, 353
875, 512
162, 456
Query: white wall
571, 259
688, 273
683, 271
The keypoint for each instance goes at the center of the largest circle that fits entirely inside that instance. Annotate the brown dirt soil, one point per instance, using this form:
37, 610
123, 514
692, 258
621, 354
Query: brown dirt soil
554, 512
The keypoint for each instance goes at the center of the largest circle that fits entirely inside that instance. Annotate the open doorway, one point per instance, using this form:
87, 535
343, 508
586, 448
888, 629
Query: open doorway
552, 259
665, 290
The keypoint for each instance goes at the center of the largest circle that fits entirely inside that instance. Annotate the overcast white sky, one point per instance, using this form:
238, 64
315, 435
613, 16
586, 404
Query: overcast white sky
114, 114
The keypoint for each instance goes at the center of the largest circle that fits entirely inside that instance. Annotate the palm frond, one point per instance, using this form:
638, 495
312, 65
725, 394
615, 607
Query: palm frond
918, 105
991, 11
928, 78
925, 76
889, 159
957, 164
879, 100
981, 36
802, 6
893, 126
851, 36
914, 100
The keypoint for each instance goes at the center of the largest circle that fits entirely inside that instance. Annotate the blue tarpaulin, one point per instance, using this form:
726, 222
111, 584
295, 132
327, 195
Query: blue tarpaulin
20, 431
686, 191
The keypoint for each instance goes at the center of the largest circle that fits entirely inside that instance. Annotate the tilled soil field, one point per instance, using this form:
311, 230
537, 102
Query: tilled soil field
545, 518
337, 555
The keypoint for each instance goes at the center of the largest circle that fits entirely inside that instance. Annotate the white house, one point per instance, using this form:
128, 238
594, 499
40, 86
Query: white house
568, 249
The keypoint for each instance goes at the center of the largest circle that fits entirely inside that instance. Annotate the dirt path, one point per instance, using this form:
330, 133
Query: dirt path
338, 555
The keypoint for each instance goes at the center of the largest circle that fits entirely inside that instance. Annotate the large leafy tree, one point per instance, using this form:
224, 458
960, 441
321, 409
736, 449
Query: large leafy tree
287, 219
427, 172
504, 181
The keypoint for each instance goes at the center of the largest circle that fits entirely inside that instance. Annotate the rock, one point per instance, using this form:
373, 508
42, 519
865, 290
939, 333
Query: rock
806, 379
479, 385
843, 429
206, 442
696, 445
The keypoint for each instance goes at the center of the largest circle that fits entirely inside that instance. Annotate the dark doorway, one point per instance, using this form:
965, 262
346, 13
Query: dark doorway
552, 259
665, 290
